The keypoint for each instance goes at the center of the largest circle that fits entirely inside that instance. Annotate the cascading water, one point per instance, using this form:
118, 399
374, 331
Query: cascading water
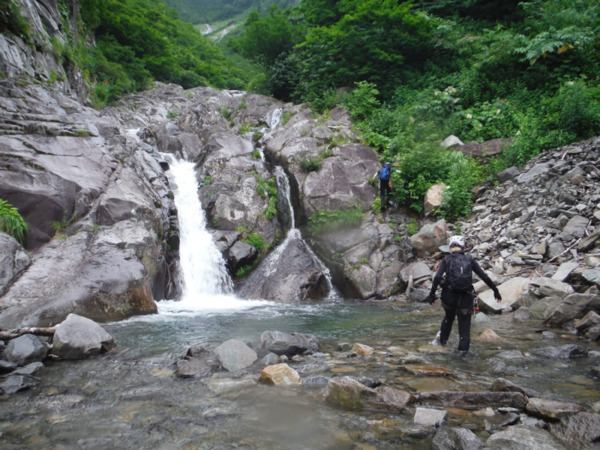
206, 283
283, 186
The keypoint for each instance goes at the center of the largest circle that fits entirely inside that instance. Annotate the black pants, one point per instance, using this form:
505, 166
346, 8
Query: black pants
384, 193
464, 326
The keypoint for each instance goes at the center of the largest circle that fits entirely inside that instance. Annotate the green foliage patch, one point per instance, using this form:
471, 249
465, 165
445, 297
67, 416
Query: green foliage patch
326, 220
139, 41
412, 73
11, 221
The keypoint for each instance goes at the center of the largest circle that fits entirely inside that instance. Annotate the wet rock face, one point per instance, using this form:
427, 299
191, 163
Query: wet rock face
94, 197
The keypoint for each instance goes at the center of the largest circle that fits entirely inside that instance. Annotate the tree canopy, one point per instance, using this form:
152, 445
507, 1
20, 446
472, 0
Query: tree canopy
143, 40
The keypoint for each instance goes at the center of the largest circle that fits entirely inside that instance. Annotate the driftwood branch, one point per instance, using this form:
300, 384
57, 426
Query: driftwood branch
558, 256
38, 331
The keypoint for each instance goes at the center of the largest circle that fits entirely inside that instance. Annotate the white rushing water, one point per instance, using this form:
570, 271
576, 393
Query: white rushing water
206, 283
283, 186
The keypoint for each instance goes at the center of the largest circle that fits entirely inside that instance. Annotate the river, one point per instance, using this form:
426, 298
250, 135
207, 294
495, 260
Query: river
131, 398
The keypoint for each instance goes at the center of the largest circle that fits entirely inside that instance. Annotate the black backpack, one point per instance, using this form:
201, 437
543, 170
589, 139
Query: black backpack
459, 275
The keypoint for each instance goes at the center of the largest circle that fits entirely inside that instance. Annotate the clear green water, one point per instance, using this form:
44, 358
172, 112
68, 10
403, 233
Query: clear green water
131, 398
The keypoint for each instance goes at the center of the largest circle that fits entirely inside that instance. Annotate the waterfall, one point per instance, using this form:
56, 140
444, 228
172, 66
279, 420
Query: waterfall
206, 283
283, 186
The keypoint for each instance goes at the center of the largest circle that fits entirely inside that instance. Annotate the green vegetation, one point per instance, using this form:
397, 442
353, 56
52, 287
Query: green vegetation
11, 221
417, 72
60, 225
11, 20
412, 227
139, 41
210, 11
327, 220
267, 189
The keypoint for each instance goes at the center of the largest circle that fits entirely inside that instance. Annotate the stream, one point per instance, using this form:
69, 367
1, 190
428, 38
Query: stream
131, 397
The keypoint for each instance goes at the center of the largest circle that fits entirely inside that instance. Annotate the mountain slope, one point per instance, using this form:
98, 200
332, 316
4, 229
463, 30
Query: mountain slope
209, 11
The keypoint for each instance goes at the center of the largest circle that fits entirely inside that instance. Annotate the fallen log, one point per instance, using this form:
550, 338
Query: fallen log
38, 331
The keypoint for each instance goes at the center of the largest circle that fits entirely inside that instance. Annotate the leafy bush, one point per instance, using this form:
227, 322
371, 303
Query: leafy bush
311, 164
11, 221
267, 188
256, 241
575, 110
330, 220
12, 21
362, 101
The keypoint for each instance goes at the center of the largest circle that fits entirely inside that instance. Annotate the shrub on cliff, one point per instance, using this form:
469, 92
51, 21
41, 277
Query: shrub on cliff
11, 221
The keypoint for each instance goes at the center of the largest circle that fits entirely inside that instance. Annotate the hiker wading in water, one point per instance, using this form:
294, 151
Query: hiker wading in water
457, 291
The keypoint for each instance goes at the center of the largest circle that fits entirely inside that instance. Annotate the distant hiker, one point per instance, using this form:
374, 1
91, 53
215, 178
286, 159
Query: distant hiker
457, 291
385, 185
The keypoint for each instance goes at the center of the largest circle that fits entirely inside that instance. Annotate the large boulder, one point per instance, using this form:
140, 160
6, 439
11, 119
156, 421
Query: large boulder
290, 274
364, 261
288, 344
78, 337
433, 198
234, 355
510, 291
429, 238
279, 375
101, 281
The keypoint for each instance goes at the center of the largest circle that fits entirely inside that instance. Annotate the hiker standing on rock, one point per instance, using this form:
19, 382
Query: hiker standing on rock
385, 184
457, 291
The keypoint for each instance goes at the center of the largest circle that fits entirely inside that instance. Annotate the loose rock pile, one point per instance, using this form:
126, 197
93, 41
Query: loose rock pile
537, 233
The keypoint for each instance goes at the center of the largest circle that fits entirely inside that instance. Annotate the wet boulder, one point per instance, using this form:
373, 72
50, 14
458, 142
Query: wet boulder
450, 438
197, 363
103, 282
581, 430
348, 393
21, 379
288, 344
25, 349
234, 355
523, 436
78, 338
551, 409
471, 400
290, 274
279, 375
564, 353
429, 417
364, 260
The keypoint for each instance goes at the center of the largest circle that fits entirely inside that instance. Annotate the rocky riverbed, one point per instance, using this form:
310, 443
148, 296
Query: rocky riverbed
342, 375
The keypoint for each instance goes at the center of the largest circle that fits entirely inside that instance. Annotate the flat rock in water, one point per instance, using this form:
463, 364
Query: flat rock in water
522, 437
551, 409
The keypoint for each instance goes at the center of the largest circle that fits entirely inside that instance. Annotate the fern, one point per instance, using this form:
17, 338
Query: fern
11, 221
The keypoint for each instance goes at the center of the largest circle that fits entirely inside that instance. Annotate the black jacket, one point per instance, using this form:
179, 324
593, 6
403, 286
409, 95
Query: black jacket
454, 299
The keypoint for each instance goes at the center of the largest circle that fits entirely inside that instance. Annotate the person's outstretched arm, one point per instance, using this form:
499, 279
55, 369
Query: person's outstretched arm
487, 280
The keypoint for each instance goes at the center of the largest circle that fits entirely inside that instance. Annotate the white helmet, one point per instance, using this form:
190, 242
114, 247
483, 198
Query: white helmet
456, 240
